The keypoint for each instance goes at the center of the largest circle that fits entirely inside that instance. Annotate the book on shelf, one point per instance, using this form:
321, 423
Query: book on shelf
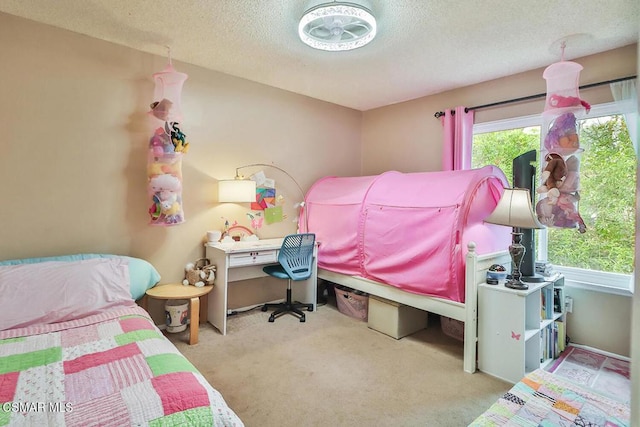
547, 303
558, 300
562, 336
552, 340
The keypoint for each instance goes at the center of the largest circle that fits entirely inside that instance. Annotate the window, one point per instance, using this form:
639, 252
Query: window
603, 257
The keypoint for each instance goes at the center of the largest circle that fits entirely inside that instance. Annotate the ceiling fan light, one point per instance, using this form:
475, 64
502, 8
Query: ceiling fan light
337, 26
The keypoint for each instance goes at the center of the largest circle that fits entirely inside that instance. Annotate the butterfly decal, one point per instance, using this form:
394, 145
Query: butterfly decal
256, 220
515, 336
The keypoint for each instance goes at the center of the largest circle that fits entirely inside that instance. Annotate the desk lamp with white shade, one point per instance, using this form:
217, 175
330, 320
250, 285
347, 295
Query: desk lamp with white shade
515, 210
242, 190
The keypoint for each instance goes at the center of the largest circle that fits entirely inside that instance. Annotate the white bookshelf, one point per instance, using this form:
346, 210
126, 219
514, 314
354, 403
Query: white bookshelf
515, 335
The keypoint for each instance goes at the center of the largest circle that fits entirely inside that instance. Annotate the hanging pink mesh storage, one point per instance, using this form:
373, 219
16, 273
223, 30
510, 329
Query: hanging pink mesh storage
167, 94
166, 147
560, 148
562, 88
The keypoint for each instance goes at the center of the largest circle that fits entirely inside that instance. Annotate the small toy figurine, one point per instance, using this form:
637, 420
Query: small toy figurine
178, 138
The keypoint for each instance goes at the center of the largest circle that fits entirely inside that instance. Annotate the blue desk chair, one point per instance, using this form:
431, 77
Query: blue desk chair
296, 260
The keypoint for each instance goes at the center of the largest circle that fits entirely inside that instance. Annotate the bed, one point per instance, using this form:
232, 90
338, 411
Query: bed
544, 399
418, 239
76, 350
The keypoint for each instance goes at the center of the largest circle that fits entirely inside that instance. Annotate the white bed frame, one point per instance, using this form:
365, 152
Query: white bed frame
467, 312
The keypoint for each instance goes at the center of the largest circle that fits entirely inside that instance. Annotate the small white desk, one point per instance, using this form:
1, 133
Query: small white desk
244, 260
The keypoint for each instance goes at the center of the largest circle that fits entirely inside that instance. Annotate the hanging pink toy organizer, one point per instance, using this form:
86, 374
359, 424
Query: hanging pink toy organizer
408, 230
167, 145
561, 148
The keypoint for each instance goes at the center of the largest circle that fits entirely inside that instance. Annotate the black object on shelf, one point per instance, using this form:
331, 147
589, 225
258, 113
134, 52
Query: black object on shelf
524, 173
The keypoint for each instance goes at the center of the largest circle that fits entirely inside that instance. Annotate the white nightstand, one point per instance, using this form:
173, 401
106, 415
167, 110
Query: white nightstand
519, 330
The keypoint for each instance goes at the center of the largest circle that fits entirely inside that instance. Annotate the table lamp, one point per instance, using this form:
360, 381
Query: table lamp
236, 191
514, 210
242, 190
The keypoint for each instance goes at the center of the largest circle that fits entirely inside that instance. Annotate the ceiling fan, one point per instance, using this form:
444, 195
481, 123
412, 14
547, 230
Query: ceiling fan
337, 26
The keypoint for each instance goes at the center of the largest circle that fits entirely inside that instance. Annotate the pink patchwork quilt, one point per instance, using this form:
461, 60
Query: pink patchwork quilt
544, 399
110, 369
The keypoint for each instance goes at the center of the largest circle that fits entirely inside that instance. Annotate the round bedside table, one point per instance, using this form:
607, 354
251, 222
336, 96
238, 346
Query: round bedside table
197, 311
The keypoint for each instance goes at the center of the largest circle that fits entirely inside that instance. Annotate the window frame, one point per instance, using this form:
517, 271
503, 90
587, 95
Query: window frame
607, 282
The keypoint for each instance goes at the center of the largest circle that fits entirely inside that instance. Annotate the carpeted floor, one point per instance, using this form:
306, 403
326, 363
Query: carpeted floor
602, 373
335, 371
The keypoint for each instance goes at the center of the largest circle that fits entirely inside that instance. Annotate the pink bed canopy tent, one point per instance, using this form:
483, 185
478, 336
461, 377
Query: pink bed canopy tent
167, 145
409, 230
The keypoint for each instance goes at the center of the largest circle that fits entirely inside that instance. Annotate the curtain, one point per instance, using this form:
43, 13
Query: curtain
458, 139
626, 98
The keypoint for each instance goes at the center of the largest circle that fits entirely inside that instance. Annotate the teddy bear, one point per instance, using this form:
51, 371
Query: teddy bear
199, 274
555, 172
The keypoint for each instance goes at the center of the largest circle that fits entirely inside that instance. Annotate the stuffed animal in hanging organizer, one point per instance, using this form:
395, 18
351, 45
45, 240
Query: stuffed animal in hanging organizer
161, 109
555, 172
565, 213
164, 164
559, 101
544, 212
562, 137
165, 188
178, 138
169, 205
160, 143
562, 213
571, 182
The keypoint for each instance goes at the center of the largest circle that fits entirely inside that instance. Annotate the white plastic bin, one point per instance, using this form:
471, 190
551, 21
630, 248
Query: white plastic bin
176, 312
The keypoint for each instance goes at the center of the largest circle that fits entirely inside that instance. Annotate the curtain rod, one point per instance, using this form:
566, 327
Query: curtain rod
530, 97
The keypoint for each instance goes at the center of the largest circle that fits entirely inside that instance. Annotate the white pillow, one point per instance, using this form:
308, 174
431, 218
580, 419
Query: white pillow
57, 291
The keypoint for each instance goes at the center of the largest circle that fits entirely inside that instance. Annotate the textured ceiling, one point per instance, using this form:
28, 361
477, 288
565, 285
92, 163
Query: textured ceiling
423, 46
